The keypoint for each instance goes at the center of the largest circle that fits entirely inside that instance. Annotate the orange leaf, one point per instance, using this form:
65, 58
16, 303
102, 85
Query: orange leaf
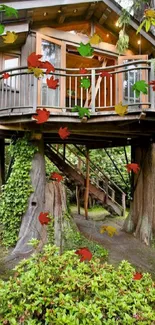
44, 220
85, 254
132, 167
83, 70
137, 276
42, 116
33, 60
152, 83
47, 65
52, 83
64, 133
6, 75
56, 176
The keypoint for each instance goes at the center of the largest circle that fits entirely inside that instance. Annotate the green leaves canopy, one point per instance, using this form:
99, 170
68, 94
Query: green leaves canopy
140, 86
85, 49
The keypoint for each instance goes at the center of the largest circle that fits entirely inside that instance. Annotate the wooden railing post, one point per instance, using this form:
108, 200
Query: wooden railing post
152, 95
86, 196
35, 93
93, 90
123, 203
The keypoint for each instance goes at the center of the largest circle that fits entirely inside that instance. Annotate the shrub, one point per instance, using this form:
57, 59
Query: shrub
57, 290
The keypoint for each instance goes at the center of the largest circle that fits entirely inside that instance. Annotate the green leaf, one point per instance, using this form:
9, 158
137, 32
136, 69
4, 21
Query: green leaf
140, 86
81, 110
2, 27
85, 83
147, 25
140, 27
85, 49
9, 11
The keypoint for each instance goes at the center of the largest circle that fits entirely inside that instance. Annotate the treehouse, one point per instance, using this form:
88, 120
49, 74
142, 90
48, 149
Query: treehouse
56, 30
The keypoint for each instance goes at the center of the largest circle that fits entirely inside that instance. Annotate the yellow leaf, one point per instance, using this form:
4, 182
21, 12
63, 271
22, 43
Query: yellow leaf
121, 109
37, 72
95, 39
10, 37
109, 229
149, 13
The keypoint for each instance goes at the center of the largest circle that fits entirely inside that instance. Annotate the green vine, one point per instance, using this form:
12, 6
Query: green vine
16, 191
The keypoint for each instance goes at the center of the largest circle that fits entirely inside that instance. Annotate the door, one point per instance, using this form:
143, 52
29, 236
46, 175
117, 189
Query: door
127, 79
54, 51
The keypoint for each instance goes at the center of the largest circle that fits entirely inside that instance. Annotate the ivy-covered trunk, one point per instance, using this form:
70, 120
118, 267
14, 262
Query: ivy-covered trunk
141, 219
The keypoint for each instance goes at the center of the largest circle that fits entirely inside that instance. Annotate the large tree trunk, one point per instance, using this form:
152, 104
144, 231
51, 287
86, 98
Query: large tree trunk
141, 219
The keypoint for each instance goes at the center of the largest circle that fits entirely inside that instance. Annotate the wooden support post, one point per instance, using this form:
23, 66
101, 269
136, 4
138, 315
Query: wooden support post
78, 198
64, 152
2, 162
123, 204
86, 197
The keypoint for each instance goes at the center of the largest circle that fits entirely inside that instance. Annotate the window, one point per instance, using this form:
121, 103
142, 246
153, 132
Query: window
9, 62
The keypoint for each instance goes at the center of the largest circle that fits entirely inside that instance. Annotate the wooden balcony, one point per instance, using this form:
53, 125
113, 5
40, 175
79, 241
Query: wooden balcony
22, 93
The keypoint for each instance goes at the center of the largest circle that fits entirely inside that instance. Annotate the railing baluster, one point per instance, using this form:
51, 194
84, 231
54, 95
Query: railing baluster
81, 94
99, 96
6, 87
2, 94
75, 90
105, 90
93, 90
35, 93
152, 93
70, 87
111, 91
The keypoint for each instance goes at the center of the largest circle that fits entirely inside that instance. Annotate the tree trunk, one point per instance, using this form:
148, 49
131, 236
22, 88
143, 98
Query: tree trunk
141, 219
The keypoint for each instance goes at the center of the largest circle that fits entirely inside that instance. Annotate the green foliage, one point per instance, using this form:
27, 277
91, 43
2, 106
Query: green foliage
85, 49
57, 290
123, 42
16, 191
82, 111
73, 239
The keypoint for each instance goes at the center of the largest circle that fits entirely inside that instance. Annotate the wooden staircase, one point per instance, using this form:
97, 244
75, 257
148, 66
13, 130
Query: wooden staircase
105, 194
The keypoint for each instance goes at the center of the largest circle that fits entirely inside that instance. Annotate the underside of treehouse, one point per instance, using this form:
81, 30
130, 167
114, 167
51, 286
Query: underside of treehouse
56, 31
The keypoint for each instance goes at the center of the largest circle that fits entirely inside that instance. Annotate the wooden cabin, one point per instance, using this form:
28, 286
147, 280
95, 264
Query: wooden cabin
55, 29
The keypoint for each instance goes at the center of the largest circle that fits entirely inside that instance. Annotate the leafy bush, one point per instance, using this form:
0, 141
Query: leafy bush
16, 191
57, 290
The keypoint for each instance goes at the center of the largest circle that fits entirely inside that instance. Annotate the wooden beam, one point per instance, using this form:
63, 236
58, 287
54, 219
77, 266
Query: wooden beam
2, 162
90, 11
19, 5
86, 196
104, 15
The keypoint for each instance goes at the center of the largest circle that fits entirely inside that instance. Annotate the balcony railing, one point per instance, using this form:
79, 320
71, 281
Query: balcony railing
22, 93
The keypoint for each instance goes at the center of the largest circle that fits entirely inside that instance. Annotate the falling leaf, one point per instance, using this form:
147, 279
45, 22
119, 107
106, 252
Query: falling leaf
81, 110
42, 116
83, 71
9, 11
137, 276
85, 49
37, 72
133, 167
95, 39
149, 13
64, 133
109, 229
48, 66
6, 75
44, 220
152, 83
85, 254
105, 74
33, 60
52, 83
10, 37
140, 86
56, 176
121, 109
85, 83
2, 27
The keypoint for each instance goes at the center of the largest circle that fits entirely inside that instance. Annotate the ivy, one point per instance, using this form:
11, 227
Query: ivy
16, 191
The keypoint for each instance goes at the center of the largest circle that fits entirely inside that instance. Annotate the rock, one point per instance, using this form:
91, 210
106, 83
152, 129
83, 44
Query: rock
100, 217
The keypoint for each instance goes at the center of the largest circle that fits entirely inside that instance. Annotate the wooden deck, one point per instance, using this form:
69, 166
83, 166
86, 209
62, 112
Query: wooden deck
22, 94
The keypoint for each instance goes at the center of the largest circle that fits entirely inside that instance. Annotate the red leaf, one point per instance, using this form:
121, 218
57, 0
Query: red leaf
6, 75
33, 60
57, 176
152, 83
52, 83
84, 253
83, 71
44, 220
105, 74
137, 276
47, 65
64, 133
42, 116
132, 167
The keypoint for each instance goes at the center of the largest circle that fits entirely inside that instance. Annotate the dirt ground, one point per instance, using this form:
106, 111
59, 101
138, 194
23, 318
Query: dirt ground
122, 246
